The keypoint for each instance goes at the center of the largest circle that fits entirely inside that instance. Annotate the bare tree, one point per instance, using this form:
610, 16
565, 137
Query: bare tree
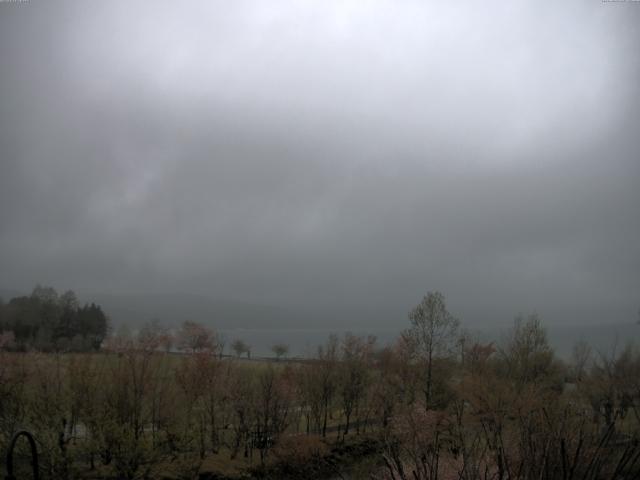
354, 374
194, 337
326, 376
280, 350
527, 354
240, 347
273, 404
580, 357
432, 334
155, 336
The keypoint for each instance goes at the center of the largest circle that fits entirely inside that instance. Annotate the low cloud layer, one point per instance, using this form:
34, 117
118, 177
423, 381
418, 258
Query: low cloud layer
318, 154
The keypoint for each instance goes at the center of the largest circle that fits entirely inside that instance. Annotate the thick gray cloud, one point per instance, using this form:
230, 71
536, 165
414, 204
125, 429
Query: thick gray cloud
315, 154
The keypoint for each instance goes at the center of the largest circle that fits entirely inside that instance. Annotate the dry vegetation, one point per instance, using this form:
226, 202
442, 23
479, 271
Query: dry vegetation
435, 405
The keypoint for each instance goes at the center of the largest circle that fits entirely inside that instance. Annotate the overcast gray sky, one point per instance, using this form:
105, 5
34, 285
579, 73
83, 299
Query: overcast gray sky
315, 153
